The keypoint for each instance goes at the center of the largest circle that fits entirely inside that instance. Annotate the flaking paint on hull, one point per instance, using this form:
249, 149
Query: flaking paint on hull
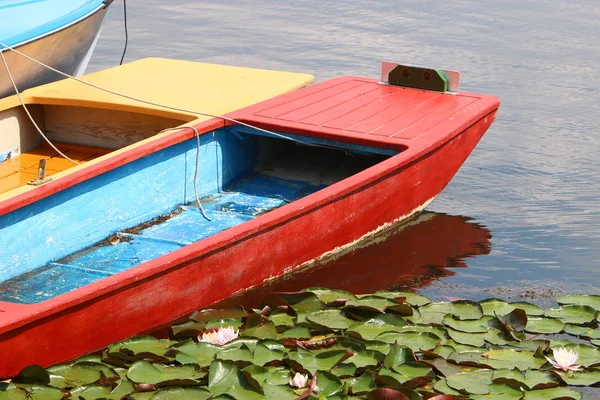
201, 274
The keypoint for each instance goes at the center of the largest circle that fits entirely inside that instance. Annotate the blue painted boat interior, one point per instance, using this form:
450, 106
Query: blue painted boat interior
25, 20
147, 208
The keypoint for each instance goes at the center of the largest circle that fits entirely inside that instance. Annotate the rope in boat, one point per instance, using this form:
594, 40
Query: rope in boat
12, 80
196, 167
126, 30
234, 121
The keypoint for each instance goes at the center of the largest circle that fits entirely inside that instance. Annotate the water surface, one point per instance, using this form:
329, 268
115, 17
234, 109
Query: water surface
530, 188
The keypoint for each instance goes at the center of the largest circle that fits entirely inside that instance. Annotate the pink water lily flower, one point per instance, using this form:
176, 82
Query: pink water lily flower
564, 359
219, 336
299, 380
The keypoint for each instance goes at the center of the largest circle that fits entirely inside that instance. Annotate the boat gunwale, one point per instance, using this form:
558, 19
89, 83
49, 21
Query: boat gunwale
24, 314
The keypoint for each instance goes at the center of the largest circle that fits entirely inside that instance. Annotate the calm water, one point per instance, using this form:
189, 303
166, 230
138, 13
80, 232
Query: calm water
524, 213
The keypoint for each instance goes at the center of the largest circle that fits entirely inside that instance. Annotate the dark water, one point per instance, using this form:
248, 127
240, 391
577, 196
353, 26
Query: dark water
525, 204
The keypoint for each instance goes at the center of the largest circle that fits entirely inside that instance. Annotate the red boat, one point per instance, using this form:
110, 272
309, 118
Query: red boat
141, 236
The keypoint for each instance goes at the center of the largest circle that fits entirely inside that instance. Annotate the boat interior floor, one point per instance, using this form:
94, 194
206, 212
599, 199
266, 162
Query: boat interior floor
244, 199
18, 171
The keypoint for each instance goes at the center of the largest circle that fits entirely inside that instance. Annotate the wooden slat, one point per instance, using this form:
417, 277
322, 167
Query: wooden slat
440, 115
381, 104
347, 96
401, 106
289, 106
343, 109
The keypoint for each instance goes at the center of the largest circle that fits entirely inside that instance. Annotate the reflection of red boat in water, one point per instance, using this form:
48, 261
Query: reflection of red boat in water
410, 255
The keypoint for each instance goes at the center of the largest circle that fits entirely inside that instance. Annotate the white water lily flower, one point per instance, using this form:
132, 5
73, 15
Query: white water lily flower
219, 336
564, 359
299, 380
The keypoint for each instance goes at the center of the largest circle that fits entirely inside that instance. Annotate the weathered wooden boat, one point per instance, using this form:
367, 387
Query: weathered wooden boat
60, 33
175, 221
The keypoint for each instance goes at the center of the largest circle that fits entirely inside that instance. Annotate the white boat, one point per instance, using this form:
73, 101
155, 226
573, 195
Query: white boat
60, 33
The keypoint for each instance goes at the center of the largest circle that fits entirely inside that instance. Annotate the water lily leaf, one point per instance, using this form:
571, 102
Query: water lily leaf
573, 314
513, 323
209, 314
415, 340
240, 356
145, 372
388, 319
282, 320
367, 358
362, 384
142, 346
446, 368
437, 331
321, 361
414, 299
398, 355
474, 382
225, 377
182, 393
369, 330
263, 354
441, 386
510, 359
411, 374
32, 392
224, 323
499, 392
472, 357
558, 393
530, 309
590, 300
279, 392
495, 307
386, 393
378, 304
32, 375
95, 392
462, 309
345, 370
201, 353
582, 331
298, 332
377, 346
583, 378
187, 329
331, 295
470, 339
266, 331
443, 351
298, 302
544, 325
469, 326
531, 380
333, 319
83, 373
328, 384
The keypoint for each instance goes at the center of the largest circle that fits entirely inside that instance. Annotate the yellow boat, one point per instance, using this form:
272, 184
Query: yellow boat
89, 125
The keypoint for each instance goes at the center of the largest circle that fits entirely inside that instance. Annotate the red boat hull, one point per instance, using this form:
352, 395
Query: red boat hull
206, 272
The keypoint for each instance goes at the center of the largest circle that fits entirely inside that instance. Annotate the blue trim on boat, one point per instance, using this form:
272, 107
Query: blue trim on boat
24, 21
146, 209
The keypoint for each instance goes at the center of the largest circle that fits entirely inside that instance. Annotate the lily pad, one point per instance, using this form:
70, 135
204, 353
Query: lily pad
333, 319
475, 382
469, 326
583, 378
573, 314
582, 331
145, 372
495, 307
415, 341
510, 359
331, 295
530, 380
362, 384
414, 299
590, 300
557, 393
544, 325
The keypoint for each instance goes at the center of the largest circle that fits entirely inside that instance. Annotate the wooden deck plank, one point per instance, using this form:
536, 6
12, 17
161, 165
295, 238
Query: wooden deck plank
400, 106
347, 96
292, 105
342, 110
